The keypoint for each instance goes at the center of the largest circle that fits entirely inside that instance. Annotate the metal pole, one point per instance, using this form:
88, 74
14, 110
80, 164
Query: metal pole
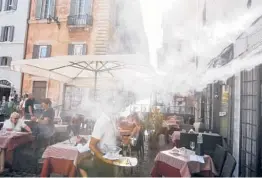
95, 81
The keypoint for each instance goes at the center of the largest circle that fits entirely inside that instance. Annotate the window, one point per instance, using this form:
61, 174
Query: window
77, 49
81, 7
10, 5
7, 33
5, 61
41, 51
44, 9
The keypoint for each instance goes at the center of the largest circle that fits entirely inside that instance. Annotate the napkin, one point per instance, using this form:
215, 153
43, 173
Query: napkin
197, 158
83, 148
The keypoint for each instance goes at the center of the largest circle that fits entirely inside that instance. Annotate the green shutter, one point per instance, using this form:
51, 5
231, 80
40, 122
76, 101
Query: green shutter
35, 52
89, 7
2, 34
84, 51
73, 8
38, 9
48, 51
1, 5
6, 4
9, 60
14, 7
52, 8
70, 49
11, 33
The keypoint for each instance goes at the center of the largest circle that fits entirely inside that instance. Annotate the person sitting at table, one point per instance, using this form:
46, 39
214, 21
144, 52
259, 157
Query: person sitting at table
75, 124
199, 125
136, 125
15, 123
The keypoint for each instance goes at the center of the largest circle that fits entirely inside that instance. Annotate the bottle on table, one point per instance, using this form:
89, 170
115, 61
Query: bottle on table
199, 150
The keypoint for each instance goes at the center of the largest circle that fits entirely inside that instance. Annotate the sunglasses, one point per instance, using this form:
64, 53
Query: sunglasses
16, 118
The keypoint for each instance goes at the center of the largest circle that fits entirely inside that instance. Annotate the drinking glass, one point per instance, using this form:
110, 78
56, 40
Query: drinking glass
192, 145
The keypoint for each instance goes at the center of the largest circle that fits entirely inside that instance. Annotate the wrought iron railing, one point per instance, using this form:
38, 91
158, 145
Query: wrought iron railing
80, 20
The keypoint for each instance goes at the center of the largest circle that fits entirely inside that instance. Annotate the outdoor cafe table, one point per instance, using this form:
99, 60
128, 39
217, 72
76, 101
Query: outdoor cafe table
169, 165
9, 141
62, 158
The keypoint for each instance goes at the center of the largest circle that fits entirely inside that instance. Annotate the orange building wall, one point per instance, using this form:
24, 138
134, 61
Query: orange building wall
39, 32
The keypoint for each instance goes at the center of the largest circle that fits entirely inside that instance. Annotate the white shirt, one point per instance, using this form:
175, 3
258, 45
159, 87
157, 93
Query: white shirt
23, 106
10, 125
198, 125
105, 131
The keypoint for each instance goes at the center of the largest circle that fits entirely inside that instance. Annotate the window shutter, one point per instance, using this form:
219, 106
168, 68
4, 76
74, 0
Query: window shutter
11, 33
89, 5
71, 49
1, 4
73, 7
1, 61
9, 60
14, 7
84, 50
2, 34
35, 52
52, 7
6, 4
48, 51
38, 8
249, 3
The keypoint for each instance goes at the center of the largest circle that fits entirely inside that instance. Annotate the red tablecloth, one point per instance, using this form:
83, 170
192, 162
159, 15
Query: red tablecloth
11, 140
59, 166
182, 163
162, 169
62, 158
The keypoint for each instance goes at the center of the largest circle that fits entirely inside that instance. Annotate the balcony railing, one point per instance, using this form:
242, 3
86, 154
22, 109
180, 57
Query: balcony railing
80, 20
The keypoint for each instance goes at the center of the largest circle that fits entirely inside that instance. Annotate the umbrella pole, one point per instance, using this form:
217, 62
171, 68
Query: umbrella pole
95, 81
95, 85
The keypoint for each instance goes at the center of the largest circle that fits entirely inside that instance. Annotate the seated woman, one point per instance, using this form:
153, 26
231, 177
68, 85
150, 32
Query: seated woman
45, 123
137, 126
15, 123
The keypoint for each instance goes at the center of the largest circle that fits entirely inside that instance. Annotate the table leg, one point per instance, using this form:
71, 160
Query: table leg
2, 160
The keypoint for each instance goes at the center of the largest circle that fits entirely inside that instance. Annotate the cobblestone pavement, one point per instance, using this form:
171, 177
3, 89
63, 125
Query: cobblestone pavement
142, 170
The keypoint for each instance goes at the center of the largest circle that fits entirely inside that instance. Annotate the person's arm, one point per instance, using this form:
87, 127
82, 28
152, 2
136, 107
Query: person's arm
98, 132
30, 110
28, 129
23, 125
93, 147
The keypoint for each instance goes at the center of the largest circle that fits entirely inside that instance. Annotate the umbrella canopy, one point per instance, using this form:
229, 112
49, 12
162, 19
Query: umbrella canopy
86, 71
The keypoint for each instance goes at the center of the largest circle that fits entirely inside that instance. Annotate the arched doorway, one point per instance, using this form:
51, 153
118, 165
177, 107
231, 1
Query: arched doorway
5, 89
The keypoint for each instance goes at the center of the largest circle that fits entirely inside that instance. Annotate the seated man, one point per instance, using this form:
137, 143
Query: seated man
15, 123
199, 125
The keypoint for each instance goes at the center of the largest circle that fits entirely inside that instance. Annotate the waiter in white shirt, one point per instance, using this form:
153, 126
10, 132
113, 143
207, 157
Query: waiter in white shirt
104, 134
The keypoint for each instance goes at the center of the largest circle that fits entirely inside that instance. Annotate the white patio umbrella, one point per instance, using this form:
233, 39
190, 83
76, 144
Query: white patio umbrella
92, 71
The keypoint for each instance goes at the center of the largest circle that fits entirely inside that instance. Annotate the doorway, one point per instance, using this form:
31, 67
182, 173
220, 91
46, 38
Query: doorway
39, 91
